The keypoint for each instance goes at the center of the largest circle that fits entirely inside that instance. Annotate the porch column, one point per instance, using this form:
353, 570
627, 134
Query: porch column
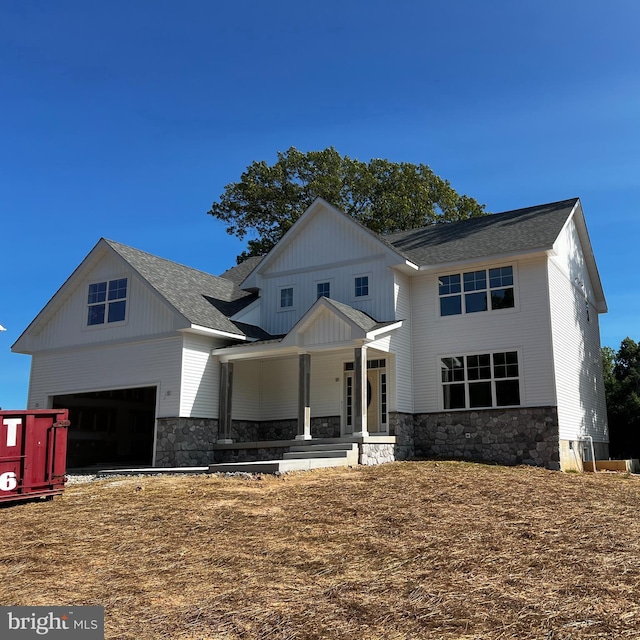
226, 392
304, 397
360, 392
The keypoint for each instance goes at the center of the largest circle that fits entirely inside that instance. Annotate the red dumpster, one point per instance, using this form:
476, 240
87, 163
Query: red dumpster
33, 453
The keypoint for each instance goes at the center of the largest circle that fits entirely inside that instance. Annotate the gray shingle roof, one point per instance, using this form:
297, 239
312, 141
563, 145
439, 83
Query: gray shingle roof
239, 273
522, 230
363, 320
203, 299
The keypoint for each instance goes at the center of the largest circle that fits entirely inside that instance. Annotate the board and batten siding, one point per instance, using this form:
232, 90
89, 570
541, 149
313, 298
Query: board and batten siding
576, 346
200, 377
327, 249
525, 328
146, 314
152, 363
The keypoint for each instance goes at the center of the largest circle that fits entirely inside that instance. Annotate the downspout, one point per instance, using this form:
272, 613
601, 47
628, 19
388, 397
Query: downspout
593, 453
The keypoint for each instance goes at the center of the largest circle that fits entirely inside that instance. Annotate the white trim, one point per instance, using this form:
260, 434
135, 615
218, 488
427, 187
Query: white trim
369, 276
292, 307
105, 323
486, 268
492, 380
196, 328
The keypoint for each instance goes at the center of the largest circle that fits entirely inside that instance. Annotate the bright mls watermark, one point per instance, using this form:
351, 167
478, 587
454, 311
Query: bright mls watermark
53, 623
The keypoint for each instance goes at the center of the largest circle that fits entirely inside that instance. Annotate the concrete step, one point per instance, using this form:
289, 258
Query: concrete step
309, 453
277, 466
337, 446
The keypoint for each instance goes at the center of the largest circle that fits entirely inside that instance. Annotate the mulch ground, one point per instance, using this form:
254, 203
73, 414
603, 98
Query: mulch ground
404, 550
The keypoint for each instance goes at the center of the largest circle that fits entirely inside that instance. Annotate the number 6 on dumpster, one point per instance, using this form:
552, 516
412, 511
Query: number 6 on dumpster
8, 481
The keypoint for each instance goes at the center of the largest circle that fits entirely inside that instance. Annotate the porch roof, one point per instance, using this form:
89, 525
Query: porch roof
327, 325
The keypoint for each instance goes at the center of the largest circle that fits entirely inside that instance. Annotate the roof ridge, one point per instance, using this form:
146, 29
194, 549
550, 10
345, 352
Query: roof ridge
111, 243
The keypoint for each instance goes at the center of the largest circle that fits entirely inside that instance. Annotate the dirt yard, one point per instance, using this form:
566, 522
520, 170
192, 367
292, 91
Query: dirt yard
405, 550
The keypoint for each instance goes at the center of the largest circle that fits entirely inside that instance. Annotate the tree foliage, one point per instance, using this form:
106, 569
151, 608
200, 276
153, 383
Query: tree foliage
622, 387
384, 196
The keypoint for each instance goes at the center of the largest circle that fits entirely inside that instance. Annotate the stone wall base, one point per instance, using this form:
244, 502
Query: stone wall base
185, 442
504, 436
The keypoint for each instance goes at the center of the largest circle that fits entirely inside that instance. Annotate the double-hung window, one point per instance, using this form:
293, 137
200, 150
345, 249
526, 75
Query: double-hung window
107, 302
323, 290
286, 298
361, 286
476, 291
480, 380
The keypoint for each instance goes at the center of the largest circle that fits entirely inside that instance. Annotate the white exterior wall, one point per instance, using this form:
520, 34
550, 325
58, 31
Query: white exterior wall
400, 345
327, 249
525, 328
265, 389
146, 315
576, 344
268, 389
200, 377
136, 364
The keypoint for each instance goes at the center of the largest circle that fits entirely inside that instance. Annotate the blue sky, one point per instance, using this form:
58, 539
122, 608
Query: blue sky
126, 119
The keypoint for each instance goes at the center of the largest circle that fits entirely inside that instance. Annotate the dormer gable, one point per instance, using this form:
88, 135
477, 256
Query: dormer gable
323, 237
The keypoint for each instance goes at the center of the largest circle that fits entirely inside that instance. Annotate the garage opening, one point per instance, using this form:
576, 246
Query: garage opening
110, 428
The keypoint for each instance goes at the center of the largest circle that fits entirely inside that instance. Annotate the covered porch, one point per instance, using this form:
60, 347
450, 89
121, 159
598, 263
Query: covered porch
330, 380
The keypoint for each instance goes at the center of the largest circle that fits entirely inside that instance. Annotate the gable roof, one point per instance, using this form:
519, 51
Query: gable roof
239, 273
203, 299
519, 231
318, 206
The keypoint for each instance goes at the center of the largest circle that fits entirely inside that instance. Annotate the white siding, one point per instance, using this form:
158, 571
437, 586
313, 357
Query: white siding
326, 329
142, 364
200, 377
326, 382
247, 394
146, 314
268, 389
577, 357
401, 345
525, 328
327, 249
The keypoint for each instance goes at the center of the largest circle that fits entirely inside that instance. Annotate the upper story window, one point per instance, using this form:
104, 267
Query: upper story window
361, 286
481, 380
323, 289
286, 298
107, 302
475, 291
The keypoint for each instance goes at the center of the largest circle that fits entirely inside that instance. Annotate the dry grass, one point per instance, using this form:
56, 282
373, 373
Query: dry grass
407, 550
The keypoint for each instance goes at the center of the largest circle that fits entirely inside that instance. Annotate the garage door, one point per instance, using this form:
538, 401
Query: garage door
110, 428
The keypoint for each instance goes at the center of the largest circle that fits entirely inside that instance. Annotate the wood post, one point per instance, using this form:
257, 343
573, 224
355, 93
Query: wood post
226, 394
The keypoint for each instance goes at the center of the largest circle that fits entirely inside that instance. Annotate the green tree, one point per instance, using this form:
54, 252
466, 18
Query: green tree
384, 196
622, 388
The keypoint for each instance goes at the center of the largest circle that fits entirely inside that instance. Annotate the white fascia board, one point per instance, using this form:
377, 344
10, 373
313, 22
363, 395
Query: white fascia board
206, 331
229, 354
376, 333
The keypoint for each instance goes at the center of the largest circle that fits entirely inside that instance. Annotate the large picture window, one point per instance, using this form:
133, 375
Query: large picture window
107, 302
476, 291
481, 380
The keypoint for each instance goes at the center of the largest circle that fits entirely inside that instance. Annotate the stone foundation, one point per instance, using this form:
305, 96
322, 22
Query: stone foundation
371, 454
401, 426
505, 436
185, 442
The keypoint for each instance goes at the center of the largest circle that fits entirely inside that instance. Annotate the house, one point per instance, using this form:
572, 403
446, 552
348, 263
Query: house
475, 339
